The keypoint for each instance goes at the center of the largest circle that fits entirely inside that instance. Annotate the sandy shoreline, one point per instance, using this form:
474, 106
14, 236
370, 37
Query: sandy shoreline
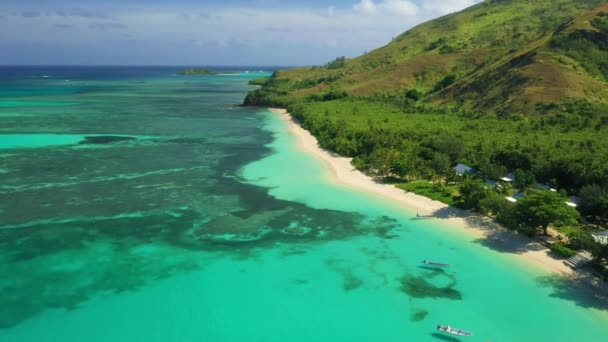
342, 172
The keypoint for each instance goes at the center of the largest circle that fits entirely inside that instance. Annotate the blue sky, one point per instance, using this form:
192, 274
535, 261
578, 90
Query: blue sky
210, 32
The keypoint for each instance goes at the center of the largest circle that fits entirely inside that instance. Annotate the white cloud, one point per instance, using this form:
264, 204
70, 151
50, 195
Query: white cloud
386, 7
303, 36
446, 6
400, 7
366, 7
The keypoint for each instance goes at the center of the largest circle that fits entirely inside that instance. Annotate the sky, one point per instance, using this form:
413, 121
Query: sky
205, 32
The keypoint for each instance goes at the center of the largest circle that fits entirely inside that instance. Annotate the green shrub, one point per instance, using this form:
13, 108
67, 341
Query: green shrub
336, 63
445, 82
260, 81
413, 95
435, 192
335, 94
562, 250
447, 49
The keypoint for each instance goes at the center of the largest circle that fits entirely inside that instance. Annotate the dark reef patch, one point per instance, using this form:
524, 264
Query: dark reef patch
288, 252
104, 139
350, 281
195, 140
386, 226
59, 288
418, 315
78, 223
300, 281
421, 287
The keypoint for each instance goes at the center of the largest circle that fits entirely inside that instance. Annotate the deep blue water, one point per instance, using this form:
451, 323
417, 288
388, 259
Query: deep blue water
109, 72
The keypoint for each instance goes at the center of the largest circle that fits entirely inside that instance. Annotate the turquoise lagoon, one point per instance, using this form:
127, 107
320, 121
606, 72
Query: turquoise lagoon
32, 104
217, 228
9, 141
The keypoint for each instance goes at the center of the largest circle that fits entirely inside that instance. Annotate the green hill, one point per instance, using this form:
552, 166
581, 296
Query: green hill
500, 56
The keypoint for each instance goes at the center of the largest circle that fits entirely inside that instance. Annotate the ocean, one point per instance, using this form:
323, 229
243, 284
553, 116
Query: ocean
140, 205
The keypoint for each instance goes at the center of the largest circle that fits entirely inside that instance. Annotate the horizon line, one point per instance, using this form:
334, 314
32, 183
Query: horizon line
155, 65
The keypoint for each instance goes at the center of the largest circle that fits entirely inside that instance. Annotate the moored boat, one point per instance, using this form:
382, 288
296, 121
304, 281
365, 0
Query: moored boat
448, 329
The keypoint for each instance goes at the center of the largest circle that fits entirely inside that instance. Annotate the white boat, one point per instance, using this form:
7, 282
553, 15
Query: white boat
448, 329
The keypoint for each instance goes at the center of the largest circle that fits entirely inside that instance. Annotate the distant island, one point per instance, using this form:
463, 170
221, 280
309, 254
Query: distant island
202, 71
196, 71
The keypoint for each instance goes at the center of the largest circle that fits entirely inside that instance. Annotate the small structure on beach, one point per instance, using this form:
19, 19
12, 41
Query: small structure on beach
515, 197
544, 187
510, 177
601, 237
491, 183
574, 201
462, 169
579, 260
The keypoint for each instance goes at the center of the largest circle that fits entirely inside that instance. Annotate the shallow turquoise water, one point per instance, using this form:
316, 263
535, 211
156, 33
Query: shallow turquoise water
38, 140
33, 104
216, 228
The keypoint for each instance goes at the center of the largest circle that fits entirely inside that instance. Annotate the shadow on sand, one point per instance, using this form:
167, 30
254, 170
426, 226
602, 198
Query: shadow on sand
509, 242
582, 287
496, 237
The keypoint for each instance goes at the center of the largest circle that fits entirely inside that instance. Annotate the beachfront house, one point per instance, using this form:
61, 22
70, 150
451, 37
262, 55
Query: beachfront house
544, 187
462, 169
515, 197
492, 183
573, 201
510, 177
601, 237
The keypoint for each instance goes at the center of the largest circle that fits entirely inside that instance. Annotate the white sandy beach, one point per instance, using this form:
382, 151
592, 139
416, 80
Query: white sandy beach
342, 172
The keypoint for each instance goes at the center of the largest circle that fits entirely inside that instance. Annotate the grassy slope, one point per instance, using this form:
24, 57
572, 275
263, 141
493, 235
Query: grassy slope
499, 52
541, 72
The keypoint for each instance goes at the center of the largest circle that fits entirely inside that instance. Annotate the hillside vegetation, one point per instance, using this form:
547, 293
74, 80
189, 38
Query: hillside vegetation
504, 86
496, 57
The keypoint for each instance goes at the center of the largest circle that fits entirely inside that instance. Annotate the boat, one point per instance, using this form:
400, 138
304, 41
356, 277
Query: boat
436, 264
448, 329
